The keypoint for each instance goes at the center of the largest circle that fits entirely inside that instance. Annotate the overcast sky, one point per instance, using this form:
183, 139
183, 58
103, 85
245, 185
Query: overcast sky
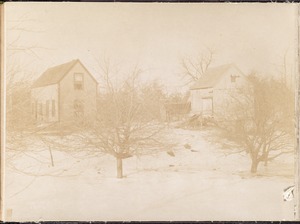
153, 36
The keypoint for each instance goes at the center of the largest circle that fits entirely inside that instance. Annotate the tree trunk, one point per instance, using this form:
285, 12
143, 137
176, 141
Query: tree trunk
254, 166
119, 168
266, 158
51, 156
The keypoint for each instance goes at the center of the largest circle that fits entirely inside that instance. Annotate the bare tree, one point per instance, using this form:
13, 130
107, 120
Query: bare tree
19, 74
21, 135
261, 119
154, 96
122, 129
194, 69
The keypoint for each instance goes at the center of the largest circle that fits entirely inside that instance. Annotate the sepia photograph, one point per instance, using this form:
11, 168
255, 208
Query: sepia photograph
149, 111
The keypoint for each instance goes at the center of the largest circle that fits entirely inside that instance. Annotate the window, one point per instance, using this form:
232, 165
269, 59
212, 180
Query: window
207, 106
53, 108
47, 108
78, 108
36, 110
33, 108
41, 109
78, 81
233, 78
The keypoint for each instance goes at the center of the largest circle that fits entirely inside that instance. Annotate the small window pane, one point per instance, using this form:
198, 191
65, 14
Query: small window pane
41, 109
78, 81
78, 108
47, 108
53, 108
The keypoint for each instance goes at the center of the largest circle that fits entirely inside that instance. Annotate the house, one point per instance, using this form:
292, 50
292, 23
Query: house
64, 93
210, 92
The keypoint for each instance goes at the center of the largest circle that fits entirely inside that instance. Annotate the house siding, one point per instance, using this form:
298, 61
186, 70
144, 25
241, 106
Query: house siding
68, 94
225, 81
197, 97
220, 93
39, 98
224, 89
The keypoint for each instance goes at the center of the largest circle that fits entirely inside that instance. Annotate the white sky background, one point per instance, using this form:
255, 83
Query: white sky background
155, 36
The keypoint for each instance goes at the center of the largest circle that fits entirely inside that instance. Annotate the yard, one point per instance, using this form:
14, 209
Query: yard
204, 181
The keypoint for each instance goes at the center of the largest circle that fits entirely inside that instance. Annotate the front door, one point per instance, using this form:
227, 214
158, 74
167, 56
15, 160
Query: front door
207, 106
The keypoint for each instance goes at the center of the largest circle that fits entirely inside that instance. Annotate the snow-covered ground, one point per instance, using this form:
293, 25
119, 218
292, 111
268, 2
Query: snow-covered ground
205, 182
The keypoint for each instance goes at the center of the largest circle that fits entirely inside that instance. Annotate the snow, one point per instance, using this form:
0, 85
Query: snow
206, 182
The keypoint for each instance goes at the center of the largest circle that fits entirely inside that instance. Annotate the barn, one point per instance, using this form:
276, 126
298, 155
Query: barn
64, 93
209, 93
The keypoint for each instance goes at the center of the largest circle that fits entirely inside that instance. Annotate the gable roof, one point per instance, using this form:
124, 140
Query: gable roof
212, 76
55, 74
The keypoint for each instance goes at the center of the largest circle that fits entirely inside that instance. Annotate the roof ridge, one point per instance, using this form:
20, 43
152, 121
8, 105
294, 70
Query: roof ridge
212, 75
220, 66
62, 64
54, 74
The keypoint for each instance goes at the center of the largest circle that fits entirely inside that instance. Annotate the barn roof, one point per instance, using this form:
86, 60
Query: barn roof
212, 76
55, 74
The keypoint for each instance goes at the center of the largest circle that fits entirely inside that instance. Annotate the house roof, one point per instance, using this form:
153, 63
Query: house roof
55, 74
212, 76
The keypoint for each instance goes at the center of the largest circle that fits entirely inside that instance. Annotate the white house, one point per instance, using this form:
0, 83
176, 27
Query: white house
209, 93
64, 93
